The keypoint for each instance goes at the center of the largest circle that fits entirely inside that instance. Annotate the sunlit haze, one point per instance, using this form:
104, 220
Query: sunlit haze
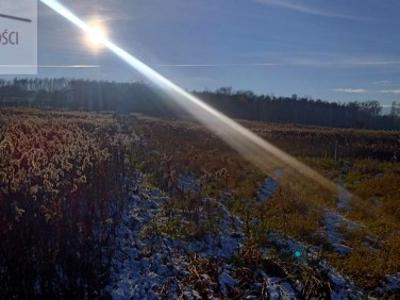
252, 147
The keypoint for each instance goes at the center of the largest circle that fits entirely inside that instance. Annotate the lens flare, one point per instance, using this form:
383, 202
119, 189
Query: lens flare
97, 33
261, 153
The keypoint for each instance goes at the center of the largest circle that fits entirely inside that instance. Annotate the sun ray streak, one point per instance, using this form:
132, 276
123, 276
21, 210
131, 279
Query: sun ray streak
258, 151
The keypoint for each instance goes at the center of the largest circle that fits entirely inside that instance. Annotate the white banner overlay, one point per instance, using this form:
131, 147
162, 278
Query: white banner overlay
18, 37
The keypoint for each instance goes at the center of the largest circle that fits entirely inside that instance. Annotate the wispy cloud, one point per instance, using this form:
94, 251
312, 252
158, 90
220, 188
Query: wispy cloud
355, 62
220, 65
383, 83
300, 62
351, 90
363, 91
301, 7
69, 66
396, 91
376, 62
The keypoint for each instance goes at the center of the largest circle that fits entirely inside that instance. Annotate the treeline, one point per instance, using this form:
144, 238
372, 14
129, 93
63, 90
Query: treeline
142, 98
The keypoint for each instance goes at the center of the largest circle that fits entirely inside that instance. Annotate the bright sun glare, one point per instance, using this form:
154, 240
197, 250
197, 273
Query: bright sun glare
97, 33
257, 150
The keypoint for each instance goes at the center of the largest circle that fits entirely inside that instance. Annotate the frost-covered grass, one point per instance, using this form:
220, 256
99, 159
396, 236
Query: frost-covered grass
151, 264
201, 222
345, 226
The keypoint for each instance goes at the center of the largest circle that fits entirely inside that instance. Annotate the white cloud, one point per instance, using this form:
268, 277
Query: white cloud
299, 6
351, 90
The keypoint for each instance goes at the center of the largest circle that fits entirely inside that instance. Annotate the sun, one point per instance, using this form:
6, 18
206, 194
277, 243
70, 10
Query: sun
97, 33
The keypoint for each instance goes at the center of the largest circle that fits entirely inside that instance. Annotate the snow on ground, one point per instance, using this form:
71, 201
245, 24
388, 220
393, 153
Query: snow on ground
279, 289
334, 221
188, 183
150, 265
293, 247
332, 224
226, 282
267, 189
147, 266
269, 186
342, 287
344, 198
391, 285
141, 267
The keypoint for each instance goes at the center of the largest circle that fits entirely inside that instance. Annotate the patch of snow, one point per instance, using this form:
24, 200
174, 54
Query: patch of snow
332, 222
211, 245
342, 287
269, 187
344, 198
226, 282
148, 267
291, 246
188, 183
389, 286
278, 289
153, 266
142, 268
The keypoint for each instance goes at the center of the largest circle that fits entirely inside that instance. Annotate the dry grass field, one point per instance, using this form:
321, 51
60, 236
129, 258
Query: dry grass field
69, 226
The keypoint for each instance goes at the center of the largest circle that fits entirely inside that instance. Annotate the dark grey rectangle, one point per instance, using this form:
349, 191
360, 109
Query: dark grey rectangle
15, 18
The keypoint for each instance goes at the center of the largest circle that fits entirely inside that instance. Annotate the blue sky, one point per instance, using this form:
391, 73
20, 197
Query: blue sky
336, 50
